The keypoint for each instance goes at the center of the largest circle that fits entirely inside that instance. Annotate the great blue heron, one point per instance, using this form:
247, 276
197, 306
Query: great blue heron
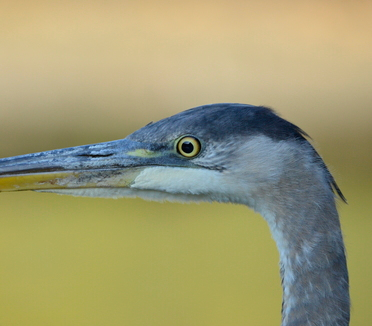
227, 153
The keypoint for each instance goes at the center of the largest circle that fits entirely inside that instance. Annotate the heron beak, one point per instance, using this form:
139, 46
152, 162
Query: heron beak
105, 165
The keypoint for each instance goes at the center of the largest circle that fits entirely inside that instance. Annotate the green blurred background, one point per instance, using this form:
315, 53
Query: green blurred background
76, 72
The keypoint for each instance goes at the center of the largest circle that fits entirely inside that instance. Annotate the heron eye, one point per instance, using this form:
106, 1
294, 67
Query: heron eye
188, 146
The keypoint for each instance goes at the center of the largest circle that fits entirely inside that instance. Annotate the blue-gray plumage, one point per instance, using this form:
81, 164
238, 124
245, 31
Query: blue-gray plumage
228, 153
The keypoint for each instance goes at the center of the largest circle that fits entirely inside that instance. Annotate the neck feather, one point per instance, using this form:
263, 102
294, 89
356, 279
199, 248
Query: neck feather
312, 260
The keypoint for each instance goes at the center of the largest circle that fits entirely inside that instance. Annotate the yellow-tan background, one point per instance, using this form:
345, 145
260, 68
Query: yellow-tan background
76, 72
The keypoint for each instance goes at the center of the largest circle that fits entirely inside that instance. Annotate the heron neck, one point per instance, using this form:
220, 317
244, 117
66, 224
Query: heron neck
312, 260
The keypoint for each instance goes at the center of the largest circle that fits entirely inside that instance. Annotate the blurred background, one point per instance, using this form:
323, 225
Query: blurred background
77, 72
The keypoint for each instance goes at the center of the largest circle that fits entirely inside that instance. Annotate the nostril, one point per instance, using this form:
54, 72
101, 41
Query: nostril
95, 155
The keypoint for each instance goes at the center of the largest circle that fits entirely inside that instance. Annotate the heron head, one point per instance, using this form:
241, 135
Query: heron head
218, 152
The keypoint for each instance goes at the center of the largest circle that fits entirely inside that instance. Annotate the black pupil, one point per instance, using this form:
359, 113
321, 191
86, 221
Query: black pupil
187, 147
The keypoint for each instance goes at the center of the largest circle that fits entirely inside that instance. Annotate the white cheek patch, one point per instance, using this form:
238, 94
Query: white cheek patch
170, 184
162, 183
180, 180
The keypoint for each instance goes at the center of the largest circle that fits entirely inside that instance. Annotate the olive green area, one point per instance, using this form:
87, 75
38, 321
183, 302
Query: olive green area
83, 261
